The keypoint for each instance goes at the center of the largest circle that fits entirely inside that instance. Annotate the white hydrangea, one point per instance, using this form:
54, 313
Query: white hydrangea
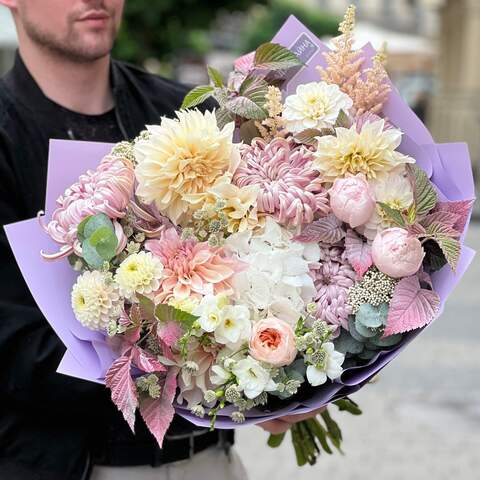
277, 280
96, 300
315, 105
331, 367
139, 273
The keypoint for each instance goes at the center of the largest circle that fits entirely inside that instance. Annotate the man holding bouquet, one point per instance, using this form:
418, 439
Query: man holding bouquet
65, 85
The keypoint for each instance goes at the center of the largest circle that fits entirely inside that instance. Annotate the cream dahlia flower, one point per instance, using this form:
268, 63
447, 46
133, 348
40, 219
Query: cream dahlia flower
96, 300
139, 273
396, 191
183, 156
239, 204
315, 105
370, 151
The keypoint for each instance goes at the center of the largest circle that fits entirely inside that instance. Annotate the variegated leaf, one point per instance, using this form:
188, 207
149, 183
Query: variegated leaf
328, 229
411, 307
425, 194
358, 252
462, 208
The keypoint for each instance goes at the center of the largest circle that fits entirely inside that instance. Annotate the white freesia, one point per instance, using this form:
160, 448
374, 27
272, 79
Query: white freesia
234, 326
209, 311
252, 378
395, 190
219, 375
331, 368
315, 105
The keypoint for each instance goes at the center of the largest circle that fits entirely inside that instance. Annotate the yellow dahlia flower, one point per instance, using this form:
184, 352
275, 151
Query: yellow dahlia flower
370, 151
183, 156
139, 273
96, 300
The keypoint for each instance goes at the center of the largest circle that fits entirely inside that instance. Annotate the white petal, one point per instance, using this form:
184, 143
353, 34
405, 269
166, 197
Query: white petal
316, 376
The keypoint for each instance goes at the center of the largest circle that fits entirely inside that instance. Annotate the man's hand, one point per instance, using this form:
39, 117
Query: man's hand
282, 424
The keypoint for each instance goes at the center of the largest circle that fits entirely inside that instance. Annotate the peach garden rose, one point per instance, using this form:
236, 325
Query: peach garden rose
273, 342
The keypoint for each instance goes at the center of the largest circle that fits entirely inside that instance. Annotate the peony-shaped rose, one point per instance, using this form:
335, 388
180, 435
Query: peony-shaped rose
396, 253
351, 200
273, 342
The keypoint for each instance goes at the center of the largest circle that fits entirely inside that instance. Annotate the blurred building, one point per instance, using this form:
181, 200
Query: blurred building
8, 39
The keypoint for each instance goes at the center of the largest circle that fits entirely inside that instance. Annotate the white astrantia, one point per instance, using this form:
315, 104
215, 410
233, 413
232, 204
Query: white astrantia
315, 105
395, 190
139, 273
96, 300
253, 378
331, 367
277, 280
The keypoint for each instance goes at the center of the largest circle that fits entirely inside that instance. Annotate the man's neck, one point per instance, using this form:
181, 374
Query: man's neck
80, 87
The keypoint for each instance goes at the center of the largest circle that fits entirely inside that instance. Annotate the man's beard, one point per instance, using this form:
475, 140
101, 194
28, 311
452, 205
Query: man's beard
70, 47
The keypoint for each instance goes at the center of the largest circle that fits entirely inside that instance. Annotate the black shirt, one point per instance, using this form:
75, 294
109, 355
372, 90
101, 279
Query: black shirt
53, 426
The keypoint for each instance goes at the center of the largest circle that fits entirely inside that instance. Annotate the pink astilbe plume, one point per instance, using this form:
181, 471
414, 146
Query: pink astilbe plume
290, 187
368, 88
332, 276
108, 190
191, 268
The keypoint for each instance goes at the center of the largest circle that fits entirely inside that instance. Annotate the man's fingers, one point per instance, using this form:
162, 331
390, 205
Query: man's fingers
275, 427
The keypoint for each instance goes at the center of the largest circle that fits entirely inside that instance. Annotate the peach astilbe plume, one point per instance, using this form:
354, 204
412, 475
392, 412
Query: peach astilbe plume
344, 65
368, 88
191, 268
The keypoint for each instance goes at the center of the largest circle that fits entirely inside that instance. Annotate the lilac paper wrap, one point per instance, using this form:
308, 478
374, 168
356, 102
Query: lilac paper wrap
88, 356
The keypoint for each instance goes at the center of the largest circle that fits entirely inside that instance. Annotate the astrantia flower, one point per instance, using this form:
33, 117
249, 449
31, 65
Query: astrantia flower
370, 151
315, 105
191, 268
183, 156
396, 191
139, 273
332, 277
252, 378
330, 368
290, 187
108, 190
96, 300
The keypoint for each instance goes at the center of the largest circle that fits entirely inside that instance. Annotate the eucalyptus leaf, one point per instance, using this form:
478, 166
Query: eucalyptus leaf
105, 242
386, 342
96, 222
91, 256
372, 316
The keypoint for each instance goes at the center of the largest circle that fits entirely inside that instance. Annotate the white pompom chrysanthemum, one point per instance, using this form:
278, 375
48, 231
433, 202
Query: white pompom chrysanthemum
139, 273
96, 300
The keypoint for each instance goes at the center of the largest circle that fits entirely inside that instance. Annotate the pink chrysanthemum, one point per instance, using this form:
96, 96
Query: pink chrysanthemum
108, 190
191, 268
332, 276
290, 187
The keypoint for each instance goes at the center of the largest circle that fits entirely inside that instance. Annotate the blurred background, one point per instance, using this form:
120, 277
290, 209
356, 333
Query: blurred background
422, 417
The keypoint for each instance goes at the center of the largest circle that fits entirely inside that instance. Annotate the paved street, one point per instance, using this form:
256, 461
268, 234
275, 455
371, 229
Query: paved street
421, 419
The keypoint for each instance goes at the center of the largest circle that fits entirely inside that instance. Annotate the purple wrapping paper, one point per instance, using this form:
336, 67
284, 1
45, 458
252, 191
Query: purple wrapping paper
88, 355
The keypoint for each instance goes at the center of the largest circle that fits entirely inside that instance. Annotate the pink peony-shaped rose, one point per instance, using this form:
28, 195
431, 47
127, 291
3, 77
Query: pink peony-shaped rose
273, 342
351, 200
396, 253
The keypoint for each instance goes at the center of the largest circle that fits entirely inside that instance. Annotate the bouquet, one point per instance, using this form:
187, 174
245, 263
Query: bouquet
269, 257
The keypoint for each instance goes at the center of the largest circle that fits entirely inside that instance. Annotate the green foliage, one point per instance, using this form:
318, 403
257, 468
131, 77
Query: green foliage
165, 29
272, 56
266, 21
98, 239
424, 192
197, 95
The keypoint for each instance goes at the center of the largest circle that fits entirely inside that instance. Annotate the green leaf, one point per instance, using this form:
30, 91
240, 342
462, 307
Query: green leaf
91, 256
81, 228
197, 95
411, 214
347, 405
424, 192
221, 95
333, 430
394, 215
248, 131
215, 76
271, 56
147, 306
343, 120
317, 429
450, 248
275, 441
255, 89
246, 108
96, 222
223, 116
167, 313
434, 257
